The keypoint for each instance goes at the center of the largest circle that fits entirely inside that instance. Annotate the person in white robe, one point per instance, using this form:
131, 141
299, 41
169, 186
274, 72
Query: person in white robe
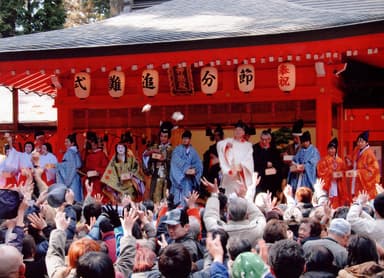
9, 167
48, 162
236, 160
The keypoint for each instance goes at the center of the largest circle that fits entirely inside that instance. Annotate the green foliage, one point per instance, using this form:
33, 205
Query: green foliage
102, 8
281, 137
9, 10
32, 16
42, 15
96, 9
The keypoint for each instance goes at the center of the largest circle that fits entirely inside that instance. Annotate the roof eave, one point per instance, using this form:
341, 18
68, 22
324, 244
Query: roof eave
199, 44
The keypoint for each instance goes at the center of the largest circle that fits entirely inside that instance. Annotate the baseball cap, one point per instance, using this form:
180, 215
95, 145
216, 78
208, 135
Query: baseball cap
176, 216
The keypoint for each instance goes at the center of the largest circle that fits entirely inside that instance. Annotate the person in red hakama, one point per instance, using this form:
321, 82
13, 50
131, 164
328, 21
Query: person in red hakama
331, 169
9, 167
365, 168
95, 163
48, 162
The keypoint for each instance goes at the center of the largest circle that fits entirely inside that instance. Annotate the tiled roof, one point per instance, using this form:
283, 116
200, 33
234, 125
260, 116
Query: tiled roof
186, 20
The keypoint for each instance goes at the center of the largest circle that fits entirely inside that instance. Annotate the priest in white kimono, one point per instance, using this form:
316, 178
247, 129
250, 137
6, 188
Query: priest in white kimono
186, 170
236, 160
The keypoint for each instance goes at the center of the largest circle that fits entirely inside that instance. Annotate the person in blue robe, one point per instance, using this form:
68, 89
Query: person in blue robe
67, 169
186, 170
303, 169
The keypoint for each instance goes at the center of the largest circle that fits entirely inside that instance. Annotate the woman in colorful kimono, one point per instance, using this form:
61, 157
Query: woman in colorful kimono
123, 173
67, 170
331, 169
365, 173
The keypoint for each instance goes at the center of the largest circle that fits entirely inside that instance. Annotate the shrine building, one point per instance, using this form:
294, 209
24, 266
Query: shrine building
267, 63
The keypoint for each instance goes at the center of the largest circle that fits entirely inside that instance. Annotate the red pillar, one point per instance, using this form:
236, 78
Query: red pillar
323, 121
64, 124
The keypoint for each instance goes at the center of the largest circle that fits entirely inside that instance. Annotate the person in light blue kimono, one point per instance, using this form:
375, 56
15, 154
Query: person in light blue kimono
186, 170
67, 169
304, 163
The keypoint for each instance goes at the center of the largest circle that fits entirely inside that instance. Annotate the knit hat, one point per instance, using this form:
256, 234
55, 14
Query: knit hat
333, 143
305, 137
248, 264
340, 226
56, 194
9, 203
364, 135
297, 126
187, 134
378, 204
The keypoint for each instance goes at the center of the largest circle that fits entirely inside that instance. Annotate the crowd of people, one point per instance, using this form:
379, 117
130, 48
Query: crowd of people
243, 210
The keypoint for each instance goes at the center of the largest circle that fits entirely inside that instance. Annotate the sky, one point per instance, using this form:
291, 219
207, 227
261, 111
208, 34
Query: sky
32, 108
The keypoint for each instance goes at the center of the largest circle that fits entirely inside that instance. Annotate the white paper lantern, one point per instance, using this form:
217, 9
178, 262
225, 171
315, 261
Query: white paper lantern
209, 79
116, 83
286, 77
150, 82
82, 85
246, 78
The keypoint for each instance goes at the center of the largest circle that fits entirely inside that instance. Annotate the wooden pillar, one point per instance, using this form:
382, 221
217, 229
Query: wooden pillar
323, 121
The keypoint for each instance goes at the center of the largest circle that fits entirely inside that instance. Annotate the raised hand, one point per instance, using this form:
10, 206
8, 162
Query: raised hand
288, 193
69, 197
241, 189
215, 248
128, 221
126, 201
191, 200
363, 197
379, 188
99, 198
88, 187
211, 187
27, 190
62, 223
92, 221
37, 221
319, 185
112, 214
255, 179
163, 242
